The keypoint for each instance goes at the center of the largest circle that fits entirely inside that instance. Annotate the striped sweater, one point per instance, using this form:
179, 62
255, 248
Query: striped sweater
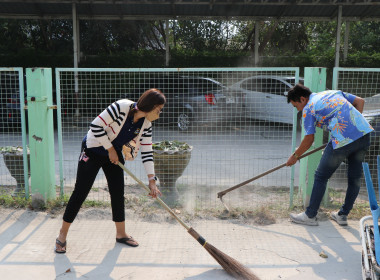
105, 128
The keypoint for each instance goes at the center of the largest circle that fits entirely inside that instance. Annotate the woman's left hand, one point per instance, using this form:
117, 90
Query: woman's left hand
154, 191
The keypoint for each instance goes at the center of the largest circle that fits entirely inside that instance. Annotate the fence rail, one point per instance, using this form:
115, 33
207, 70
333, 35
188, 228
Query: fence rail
236, 119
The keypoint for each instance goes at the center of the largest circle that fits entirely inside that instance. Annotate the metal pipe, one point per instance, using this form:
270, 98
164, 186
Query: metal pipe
59, 130
364, 244
167, 55
75, 46
257, 29
338, 27
294, 137
23, 131
346, 35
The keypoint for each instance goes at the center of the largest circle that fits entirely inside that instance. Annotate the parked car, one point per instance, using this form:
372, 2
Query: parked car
191, 100
265, 97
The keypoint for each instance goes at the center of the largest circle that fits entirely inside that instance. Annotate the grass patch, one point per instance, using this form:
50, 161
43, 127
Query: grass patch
51, 206
16, 202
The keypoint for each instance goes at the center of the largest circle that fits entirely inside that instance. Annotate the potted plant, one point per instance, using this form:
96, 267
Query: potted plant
170, 160
14, 161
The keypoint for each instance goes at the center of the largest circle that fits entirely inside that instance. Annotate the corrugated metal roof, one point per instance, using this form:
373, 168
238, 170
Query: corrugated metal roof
205, 9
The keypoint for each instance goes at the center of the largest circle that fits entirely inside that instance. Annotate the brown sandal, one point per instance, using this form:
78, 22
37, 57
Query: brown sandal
62, 245
128, 241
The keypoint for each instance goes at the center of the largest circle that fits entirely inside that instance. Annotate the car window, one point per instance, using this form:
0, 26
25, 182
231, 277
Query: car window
292, 81
252, 85
274, 86
167, 85
202, 86
207, 85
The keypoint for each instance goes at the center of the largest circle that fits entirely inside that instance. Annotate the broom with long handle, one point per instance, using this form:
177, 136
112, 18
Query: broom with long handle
222, 193
230, 265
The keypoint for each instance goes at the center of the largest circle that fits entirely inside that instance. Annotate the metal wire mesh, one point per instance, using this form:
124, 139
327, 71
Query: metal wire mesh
365, 83
237, 121
10, 120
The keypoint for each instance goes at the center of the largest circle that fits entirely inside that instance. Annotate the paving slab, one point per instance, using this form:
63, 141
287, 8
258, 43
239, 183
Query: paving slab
279, 251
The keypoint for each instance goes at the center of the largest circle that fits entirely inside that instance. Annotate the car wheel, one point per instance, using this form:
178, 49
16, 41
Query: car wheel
184, 120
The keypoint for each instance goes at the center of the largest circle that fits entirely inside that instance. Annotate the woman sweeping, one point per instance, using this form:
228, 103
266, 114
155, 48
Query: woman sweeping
123, 128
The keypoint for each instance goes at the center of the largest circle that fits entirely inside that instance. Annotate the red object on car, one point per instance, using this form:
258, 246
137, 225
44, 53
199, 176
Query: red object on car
210, 98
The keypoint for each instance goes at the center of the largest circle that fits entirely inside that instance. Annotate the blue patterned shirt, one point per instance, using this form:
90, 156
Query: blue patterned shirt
332, 110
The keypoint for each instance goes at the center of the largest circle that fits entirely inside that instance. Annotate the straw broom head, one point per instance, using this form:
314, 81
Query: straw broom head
230, 265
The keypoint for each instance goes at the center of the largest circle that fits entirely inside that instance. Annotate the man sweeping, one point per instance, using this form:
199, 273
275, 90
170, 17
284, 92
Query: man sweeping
340, 114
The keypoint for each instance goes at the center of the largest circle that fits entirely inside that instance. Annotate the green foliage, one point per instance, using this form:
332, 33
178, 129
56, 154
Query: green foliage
33, 58
52, 205
362, 59
202, 43
171, 146
201, 35
365, 37
12, 150
9, 201
289, 38
95, 203
126, 59
321, 37
52, 36
194, 58
56, 204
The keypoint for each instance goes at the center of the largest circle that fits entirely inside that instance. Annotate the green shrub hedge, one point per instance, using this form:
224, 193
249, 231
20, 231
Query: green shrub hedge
183, 59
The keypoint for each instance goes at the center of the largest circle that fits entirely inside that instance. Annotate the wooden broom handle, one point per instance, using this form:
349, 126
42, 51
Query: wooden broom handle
220, 194
167, 208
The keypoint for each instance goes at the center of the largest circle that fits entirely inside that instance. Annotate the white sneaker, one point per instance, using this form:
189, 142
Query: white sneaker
302, 219
340, 219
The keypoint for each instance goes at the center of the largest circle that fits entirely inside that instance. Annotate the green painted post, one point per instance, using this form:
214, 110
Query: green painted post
315, 79
41, 133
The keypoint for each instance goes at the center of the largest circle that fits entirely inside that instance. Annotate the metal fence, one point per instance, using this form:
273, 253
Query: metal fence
237, 121
12, 130
365, 83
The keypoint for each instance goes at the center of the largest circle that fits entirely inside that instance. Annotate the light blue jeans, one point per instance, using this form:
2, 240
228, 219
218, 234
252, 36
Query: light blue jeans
330, 161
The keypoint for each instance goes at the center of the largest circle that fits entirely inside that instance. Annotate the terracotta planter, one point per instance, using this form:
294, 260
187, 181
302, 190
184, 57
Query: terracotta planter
15, 164
169, 166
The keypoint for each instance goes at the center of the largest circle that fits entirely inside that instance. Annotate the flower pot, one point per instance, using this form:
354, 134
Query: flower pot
15, 164
169, 166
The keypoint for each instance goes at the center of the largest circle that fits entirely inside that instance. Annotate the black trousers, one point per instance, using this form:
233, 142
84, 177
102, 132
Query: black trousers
88, 167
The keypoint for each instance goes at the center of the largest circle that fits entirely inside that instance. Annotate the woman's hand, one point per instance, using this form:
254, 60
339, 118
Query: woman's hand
112, 154
154, 191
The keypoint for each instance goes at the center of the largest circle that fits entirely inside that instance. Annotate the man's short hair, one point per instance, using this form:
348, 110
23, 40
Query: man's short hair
295, 93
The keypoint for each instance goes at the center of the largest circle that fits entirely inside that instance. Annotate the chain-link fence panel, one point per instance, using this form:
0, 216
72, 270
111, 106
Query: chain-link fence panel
365, 83
237, 121
13, 168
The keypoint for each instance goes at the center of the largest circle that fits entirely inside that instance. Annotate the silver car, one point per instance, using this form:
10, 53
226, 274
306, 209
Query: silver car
264, 97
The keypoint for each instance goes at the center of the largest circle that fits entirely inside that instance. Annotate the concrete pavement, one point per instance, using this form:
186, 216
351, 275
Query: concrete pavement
278, 251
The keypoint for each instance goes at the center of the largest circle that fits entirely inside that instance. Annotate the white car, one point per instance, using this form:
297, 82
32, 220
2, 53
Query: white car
265, 97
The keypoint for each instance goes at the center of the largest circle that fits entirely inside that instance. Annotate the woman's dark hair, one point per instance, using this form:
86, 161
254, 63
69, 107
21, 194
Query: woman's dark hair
295, 93
148, 100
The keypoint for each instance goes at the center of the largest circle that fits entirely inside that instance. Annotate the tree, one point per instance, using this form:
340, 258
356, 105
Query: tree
365, 36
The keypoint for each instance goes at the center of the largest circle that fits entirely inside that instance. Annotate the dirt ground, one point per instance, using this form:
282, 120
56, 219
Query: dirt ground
251, 204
